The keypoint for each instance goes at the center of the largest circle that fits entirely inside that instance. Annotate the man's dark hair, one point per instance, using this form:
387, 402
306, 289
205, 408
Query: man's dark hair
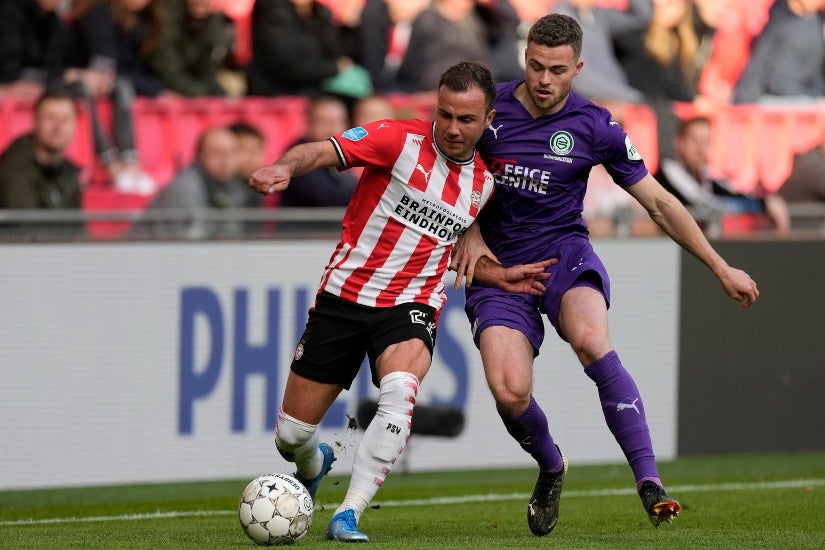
243, 128
463, 76
556, 30
60, 92
686, 124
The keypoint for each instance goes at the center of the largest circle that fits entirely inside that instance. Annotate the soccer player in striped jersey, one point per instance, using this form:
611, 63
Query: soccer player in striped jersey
380, 294
541, 145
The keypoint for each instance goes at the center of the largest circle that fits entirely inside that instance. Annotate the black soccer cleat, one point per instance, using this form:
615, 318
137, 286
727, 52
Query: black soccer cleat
543, 508
658, 505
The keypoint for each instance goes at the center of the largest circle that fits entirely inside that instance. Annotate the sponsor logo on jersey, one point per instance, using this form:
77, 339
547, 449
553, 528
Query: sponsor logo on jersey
561, 142
632, 152
354, 134
434, 219
495, 129
509, 172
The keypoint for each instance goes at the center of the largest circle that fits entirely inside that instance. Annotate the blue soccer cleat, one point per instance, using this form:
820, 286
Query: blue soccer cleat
343, 527
312, 484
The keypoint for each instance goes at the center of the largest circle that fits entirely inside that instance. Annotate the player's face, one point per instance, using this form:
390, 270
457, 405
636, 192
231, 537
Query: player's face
549, 76
460, 119
54, 124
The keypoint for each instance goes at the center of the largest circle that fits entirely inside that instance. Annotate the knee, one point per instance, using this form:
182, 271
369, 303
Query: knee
398, 391
589, 345
511, 399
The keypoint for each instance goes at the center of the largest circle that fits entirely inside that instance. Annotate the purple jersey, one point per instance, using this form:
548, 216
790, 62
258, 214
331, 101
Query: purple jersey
541, 166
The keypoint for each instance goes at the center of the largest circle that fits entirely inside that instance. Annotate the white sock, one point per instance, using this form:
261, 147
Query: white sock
297, 442
383, 441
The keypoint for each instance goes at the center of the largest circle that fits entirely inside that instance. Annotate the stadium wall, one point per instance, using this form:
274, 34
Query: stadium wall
136, 362
753, 380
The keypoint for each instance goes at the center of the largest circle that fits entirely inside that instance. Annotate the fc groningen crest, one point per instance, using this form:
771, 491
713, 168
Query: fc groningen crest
561, 142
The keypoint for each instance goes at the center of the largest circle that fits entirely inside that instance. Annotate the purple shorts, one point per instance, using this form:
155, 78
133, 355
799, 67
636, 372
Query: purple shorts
578, 265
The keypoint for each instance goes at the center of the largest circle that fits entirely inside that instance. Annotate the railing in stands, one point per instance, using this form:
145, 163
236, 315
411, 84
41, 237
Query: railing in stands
807, 219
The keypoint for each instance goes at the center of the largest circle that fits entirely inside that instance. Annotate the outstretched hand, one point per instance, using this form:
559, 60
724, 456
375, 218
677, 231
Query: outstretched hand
526, 278
270, 179
469, 248
739, 286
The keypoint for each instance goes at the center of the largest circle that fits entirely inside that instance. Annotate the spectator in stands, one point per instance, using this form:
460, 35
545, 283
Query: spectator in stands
724, 44
211, 181
371, 108
688, 176
34, 47
383, 36
659, 60
118, 36
193, 49
501, 23
447, 32
605, 81
34, 171
296, 47
327, 117
787, 58
807, 180
250, 148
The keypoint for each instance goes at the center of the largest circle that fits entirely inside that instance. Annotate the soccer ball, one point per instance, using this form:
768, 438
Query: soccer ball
275, 509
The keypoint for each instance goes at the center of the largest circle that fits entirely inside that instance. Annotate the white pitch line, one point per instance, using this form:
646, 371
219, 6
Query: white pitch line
675, 489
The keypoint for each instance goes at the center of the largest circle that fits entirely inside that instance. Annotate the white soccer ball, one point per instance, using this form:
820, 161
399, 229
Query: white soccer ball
275, 509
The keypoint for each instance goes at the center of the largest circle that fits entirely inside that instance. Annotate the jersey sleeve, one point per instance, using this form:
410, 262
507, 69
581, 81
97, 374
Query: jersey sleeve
617, 153
375, 144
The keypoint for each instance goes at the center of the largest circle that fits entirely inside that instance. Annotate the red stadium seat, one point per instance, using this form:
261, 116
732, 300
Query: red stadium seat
775, 145
734, 149
154, 123
96, 198
808, 129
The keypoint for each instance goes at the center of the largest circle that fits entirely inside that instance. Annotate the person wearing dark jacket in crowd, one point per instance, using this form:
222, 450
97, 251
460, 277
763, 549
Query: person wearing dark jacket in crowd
34, 171
194, 46
295, 47
34, 47
325, 186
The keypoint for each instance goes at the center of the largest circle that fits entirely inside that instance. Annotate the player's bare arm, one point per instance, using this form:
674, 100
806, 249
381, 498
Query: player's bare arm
469, 248
297, 161
676, 221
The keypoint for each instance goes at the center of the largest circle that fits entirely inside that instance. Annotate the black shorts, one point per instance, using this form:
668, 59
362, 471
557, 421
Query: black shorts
339, 333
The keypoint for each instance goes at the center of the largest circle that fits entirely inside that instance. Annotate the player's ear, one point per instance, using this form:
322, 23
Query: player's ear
490, 116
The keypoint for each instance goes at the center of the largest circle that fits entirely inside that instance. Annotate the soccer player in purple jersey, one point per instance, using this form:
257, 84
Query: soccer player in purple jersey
541, 146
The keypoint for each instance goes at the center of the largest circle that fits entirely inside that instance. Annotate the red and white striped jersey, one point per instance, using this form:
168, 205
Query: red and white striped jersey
409, 207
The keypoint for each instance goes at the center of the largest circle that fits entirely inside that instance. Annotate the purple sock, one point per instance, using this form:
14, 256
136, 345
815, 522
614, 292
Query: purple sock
625, 415
532, 433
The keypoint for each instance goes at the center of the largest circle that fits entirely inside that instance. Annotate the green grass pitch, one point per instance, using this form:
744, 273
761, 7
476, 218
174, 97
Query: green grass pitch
741, 502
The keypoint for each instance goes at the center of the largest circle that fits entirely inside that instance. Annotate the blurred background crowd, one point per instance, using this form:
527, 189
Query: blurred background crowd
170, 104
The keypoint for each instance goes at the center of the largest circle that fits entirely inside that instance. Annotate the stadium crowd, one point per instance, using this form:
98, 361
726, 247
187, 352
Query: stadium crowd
652, 63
